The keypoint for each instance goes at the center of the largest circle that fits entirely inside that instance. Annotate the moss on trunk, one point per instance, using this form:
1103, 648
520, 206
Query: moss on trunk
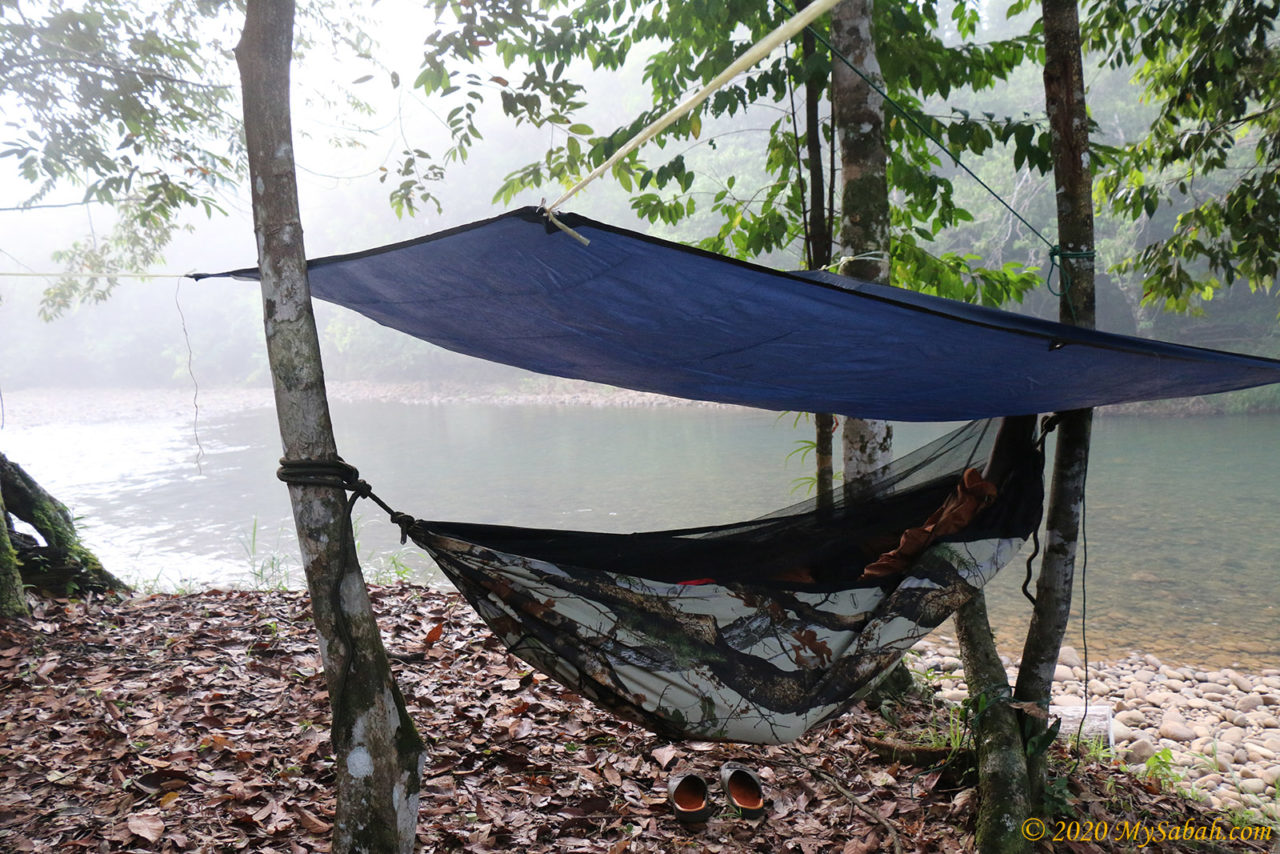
63, 564
12, 601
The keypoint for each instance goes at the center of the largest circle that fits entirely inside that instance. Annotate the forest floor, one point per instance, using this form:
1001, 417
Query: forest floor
200, 723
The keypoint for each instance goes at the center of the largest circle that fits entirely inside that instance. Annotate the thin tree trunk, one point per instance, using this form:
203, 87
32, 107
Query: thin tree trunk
859, 129
818, 253
858, 118
858, 113
1073, 179
378, 753
1003, 798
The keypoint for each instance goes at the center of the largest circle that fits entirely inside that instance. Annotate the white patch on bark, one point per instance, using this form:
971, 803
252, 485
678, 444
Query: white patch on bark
406, 808
259, 186
359, 763
349, 593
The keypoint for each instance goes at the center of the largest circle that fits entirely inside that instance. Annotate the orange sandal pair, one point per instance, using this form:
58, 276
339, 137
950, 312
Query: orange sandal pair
690, 796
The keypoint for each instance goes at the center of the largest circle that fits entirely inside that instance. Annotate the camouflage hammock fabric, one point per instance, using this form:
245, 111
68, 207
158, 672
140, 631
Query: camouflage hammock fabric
667, 629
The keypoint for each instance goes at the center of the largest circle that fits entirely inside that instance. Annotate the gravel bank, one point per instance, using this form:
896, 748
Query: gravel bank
1221, 727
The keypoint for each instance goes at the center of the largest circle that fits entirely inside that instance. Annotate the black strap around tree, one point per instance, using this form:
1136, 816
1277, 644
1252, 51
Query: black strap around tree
339, 474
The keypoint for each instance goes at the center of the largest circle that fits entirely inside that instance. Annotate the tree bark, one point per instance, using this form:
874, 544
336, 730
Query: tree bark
858, 113
1073, 179
378, 753
1003, 797
13, 602
63, 563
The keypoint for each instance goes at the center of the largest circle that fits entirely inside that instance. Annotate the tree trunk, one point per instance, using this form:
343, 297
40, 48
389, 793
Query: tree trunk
817, 251
1003, 798
378, 753
62, 564
13, 602
1073, 179
858, 114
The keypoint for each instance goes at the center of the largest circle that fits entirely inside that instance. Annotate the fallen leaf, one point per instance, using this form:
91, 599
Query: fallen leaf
664, 755
311, 822
146, 825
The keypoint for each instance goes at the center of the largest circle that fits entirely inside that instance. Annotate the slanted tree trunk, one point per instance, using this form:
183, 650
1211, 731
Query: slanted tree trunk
378, 753
1073, 180
62, 564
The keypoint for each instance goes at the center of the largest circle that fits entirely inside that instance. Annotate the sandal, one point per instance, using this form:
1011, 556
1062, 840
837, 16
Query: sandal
690, 798
743, 789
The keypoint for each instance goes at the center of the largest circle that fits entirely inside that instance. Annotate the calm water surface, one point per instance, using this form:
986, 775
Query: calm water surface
1182, 545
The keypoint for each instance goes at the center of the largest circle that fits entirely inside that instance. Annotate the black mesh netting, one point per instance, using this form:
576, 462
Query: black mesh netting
743, 655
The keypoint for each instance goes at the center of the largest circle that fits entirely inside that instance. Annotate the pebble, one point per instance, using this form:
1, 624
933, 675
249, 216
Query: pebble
1248, 703
1252, 786
1140, 750
1131, 717
1175, 731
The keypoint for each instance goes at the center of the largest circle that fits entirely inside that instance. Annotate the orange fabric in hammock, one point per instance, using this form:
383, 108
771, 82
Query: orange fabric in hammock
970, 496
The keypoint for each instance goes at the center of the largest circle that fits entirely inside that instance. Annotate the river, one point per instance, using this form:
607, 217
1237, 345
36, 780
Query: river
1182, 549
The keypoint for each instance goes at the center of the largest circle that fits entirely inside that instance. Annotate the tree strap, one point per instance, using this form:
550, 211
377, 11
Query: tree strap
339, 474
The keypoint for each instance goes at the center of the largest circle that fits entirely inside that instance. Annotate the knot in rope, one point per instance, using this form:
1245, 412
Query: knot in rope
1056, 252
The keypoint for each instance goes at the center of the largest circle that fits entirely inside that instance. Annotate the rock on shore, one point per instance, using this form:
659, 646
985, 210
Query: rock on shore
1221, 727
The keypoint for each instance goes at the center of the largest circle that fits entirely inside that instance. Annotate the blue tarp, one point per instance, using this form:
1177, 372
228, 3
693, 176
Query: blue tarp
641, 313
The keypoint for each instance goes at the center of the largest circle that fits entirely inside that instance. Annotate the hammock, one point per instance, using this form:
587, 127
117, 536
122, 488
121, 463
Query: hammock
756, 631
